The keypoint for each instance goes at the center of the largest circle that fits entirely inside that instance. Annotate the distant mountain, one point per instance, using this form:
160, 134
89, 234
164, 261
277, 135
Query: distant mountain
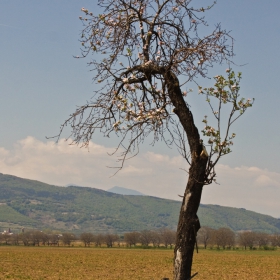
33, 204
124, 191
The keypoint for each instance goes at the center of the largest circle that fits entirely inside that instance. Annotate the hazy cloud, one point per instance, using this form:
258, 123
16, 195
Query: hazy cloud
153, 174
246, 187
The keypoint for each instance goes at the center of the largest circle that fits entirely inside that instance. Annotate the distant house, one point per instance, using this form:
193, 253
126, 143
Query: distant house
7, 232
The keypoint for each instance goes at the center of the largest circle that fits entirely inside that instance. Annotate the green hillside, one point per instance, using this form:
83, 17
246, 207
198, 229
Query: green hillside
237, 219
33, 204
9, 215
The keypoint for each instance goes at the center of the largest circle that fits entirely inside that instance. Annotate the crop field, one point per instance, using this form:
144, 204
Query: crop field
127, 264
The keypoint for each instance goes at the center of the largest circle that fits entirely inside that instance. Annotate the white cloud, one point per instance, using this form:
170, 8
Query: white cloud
265, 181
153, 174
247, 187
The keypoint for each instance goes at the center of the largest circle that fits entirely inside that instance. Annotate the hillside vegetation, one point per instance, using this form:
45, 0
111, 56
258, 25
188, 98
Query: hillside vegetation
33, 204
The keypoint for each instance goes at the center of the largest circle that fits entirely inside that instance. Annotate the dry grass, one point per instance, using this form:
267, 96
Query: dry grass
91, 263
237, 265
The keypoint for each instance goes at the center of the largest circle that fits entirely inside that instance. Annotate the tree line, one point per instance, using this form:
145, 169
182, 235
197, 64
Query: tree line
225, 238
144, 238
222, 238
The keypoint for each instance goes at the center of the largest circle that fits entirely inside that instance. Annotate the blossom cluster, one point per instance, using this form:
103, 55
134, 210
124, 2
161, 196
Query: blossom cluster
225, 91
214, 139
134, 113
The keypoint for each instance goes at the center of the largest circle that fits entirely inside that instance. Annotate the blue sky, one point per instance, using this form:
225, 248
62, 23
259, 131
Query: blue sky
41, 83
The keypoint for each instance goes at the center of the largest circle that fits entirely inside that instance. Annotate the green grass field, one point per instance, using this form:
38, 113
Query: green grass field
126, 264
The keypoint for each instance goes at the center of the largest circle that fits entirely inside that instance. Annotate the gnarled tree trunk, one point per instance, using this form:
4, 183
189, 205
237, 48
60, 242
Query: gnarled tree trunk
188, 224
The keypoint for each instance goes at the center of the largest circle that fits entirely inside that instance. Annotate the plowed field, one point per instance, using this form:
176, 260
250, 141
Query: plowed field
129, 264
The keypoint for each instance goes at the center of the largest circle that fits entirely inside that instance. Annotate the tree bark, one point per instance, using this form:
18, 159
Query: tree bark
188, 224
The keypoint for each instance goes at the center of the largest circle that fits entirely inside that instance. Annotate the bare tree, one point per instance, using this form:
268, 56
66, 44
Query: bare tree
87, 238
26, 238
262, 239
155, 238
15, 238
145, 237
110, 239
247, 239
44, 238
204, 235
224, 237
98, 239
36, 237
145, 52
275, 240
68, 238
132, 238
6, 237
168, 237
53, 239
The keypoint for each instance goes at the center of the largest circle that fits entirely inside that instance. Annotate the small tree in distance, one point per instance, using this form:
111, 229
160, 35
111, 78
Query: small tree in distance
168, 237
132, 238
275, 240
224, 237
247, 239
145, 237
110, 239
98, 239
204, 236
145, 52
87, 238
68, 238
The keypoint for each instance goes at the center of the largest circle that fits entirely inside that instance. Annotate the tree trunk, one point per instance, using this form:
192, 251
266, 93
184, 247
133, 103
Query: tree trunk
188, 224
